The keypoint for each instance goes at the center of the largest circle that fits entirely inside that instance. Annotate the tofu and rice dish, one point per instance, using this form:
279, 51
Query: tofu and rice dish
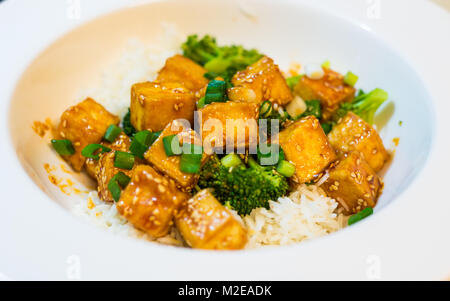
222, 150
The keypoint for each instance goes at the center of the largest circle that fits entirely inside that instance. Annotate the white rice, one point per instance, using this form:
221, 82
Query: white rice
306, 213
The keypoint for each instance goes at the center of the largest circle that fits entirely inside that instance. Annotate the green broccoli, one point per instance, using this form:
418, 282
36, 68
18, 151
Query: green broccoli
222, 61
128, 128
364, 105
241, 187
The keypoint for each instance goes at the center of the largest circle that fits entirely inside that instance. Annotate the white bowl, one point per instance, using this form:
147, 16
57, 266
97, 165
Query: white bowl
407, 237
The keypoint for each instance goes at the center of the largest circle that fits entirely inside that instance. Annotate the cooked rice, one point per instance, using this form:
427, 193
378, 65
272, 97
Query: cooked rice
306, 213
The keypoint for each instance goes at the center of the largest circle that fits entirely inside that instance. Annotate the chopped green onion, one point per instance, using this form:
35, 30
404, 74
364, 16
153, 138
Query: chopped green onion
216, 91
201, 103
326, 64
231, 160
190, 164
350, 79
172, 145
270, 158
293, 81
265, 110
123, 160
286, 168
63, 147
118, 182
142, 141
112, 132
191, 159
91, 151
360, 215
327, 127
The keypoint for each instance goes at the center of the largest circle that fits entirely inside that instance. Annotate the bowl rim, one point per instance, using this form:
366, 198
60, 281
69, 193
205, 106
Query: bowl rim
24, 265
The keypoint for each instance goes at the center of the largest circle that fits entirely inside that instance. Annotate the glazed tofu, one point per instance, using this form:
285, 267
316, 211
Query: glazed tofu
266, 80
305, 145
330, 90
84, 124
104, 172
353, 183
150, 201
205, 224
353, 133
242, 128
122, 143
179, 69
154, 105
170, 166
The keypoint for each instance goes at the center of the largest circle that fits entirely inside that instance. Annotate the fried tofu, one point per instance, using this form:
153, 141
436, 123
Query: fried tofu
353, 133
170, 166
104, 172
266, 80
353, 183
154, 105
150, 201
204, 223
305, 145
121, 143
330, 90
242, 119
84, 124
179, 69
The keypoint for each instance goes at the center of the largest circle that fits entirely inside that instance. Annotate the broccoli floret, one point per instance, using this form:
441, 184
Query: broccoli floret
222, 61
241, 187
128, 128
364, 105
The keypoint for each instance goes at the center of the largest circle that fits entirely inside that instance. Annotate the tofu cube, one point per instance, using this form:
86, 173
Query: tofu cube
122, 143
170, 166
154, 105
104, 172
330, 90
266, 80
229, 123
305, 145
150, 201
353, 183
179, 69
353, 133
84, 124
204, 223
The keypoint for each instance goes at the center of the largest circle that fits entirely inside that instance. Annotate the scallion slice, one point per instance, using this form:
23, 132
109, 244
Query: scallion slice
360, 215
216, 91
350, 79
123, 160
191, 159
293, 81
326, 64
270, 158
190, 163
93, 151
142, 141
172, 145
286, 168
265, 109
117, 183
201, 103
63, 147
112, 132
231, 160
